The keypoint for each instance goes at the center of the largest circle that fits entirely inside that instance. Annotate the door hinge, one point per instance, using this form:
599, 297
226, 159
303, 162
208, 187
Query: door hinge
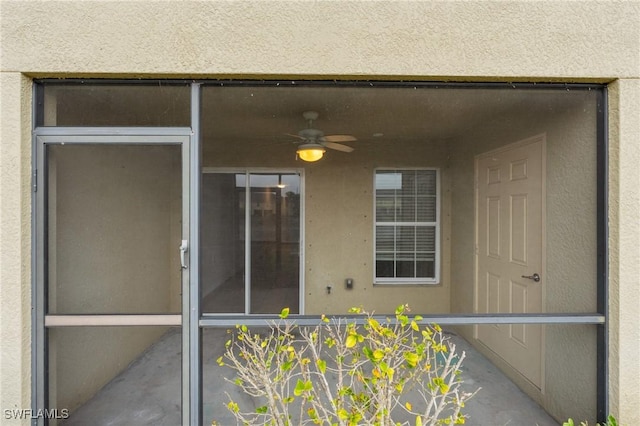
34, 180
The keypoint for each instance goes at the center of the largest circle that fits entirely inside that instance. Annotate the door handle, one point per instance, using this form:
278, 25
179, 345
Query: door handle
184, 247
534, 277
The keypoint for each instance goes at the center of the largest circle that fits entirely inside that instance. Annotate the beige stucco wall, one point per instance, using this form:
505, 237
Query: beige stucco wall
430, 39
624, 246
338, 226
491, 41
15, 225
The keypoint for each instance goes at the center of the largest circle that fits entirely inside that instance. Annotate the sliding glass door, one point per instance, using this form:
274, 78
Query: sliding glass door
250, 242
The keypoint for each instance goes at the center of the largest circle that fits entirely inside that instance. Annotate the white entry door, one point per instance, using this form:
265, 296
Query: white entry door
509, 250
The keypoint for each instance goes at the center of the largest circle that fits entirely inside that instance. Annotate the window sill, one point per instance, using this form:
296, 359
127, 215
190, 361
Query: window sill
406, 283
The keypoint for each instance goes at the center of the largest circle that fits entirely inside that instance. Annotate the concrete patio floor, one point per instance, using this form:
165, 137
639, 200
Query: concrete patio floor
148, 391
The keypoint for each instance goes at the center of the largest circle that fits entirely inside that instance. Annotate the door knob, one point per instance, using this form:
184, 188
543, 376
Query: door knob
534, 277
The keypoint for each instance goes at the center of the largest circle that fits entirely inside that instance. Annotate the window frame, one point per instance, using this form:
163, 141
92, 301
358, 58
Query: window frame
435, 280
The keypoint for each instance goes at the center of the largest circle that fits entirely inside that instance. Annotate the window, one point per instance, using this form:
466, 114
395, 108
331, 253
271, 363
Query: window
407, 229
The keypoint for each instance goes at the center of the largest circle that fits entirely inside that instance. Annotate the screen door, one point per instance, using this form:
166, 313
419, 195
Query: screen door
114, 226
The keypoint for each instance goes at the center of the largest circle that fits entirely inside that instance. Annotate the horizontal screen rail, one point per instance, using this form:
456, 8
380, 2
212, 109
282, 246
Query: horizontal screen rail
115, 320
211, 320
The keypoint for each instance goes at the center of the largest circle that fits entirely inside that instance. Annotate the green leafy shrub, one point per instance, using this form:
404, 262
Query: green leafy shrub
611, 421
391, 371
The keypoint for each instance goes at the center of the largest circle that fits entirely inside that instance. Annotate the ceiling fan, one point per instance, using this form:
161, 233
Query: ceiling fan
315, 141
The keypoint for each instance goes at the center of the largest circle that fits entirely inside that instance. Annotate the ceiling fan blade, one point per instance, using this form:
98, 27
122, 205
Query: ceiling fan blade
295, 136
337, 146
339, 138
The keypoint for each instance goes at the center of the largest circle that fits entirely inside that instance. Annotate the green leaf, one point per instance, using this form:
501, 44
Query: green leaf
302, 387
375, 325
411, 358
322, 365
368, 353
390, 373
284, 313
351, 341
378, 354
312, 413
343, 414
418, 421
262, 410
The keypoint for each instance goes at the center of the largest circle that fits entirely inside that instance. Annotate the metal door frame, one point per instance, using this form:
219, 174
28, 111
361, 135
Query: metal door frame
115, 136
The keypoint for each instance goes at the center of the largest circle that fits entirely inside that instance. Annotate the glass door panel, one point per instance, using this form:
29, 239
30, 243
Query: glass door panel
250, 242
275, 242
222, 242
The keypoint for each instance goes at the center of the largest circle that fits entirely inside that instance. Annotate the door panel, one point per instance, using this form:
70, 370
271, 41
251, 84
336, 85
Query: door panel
250, 242
222, 242
114, 226
275, 242
91, 374
112, 281
510, 227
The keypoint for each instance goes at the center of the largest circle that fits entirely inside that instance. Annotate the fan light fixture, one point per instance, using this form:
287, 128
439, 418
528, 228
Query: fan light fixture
314, 141
310, 152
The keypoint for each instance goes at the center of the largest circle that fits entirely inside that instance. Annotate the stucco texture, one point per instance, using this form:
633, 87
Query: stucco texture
15, 236
594, 41
338, 226
624, 246
395, 38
